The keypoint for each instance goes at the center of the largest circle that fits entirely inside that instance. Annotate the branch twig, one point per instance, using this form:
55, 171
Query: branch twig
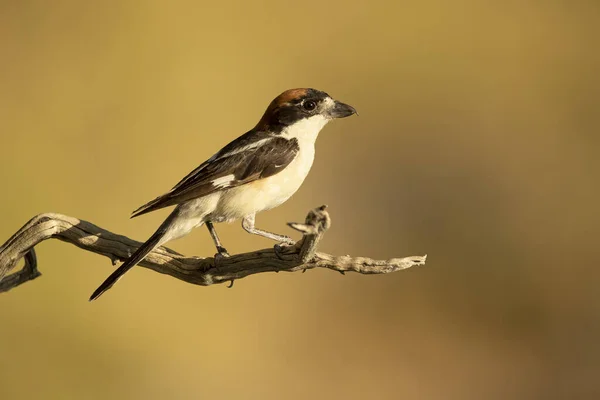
195, 270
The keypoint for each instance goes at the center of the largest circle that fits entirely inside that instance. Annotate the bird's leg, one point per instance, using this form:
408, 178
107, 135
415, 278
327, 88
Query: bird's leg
248, 225
222, 251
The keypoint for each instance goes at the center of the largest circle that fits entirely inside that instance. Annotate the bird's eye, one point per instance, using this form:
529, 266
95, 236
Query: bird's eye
309, 105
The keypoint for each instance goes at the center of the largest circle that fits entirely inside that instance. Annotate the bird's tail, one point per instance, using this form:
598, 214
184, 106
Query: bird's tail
155, 240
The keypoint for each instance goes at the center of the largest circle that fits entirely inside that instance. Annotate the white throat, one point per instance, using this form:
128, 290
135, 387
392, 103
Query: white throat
306, 130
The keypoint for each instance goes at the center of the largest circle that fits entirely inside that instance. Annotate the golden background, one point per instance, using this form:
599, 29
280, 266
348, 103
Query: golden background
476, 143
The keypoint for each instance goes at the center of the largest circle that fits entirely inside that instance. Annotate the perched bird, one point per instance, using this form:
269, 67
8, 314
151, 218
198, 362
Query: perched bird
256, 172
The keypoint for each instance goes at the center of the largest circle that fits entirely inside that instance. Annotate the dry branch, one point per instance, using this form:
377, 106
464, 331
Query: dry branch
196, 270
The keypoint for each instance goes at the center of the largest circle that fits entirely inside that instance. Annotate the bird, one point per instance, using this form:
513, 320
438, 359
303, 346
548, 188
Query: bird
257, 171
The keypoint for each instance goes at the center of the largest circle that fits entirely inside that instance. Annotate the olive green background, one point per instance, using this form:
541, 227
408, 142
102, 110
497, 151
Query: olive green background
476, 143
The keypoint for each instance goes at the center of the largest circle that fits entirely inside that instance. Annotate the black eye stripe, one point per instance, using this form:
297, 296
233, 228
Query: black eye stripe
290, 110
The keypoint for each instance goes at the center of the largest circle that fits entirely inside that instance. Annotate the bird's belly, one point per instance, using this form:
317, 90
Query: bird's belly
264, 194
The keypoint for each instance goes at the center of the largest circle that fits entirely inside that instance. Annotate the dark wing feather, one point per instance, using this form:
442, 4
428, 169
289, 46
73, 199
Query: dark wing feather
244, 141
269, 157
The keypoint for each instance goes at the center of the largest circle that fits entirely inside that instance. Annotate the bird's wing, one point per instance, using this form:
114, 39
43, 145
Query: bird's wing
246, 161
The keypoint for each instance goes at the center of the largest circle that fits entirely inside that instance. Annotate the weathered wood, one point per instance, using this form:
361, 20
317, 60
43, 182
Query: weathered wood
195, 270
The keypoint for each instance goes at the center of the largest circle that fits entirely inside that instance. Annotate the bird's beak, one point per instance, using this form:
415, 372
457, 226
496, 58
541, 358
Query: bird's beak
341, 110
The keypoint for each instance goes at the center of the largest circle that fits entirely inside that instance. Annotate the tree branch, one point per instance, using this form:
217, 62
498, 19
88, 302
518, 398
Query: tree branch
196, 270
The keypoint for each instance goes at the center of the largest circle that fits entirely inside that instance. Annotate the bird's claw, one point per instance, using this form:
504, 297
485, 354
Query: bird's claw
114, 259
220, 256
280, 248
222, 251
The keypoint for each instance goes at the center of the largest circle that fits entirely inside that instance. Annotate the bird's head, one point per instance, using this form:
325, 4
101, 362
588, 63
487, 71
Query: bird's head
307, 108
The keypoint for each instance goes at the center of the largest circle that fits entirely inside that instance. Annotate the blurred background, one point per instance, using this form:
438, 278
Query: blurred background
476, 144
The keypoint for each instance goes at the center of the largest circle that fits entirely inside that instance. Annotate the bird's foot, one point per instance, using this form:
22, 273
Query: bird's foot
286, 240
281, 248
222, 251
220, 256
114, 259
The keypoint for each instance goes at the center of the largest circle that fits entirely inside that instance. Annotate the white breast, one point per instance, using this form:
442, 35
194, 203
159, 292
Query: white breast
270, 192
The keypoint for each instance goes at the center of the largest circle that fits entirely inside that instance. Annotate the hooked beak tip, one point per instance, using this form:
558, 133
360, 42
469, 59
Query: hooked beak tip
342, 110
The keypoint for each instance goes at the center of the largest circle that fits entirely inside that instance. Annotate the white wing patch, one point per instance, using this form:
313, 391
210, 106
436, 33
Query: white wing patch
218, 156
223, 181
237, 150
